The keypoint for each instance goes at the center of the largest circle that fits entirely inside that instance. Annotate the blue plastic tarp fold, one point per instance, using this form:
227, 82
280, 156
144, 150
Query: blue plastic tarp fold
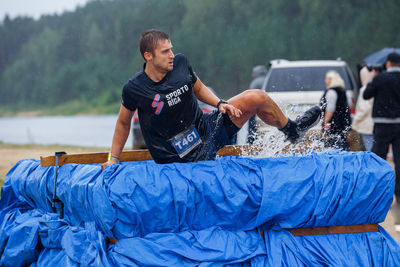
207, 247
206, 213
19, 238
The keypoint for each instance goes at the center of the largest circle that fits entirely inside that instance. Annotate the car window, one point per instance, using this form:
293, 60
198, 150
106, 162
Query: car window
302, 78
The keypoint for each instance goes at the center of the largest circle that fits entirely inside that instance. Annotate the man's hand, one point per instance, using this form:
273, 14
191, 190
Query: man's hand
121, 133
232, 111
105, 164
327, 126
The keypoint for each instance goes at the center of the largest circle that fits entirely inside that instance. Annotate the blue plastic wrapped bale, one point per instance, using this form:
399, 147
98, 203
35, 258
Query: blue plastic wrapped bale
135, 199
207, 213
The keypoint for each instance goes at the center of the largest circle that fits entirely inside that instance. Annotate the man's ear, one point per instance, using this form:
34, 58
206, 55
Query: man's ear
148, 56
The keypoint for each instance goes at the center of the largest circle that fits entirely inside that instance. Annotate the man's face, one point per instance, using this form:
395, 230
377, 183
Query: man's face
163, 57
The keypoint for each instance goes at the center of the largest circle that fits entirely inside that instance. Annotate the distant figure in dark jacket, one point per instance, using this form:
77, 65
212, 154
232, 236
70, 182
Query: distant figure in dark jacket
258, 75
385, 89
334, 105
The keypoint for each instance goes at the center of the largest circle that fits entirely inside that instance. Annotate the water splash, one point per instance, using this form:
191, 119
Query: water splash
273, 143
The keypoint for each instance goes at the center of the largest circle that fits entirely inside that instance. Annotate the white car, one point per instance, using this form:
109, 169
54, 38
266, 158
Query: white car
298, 85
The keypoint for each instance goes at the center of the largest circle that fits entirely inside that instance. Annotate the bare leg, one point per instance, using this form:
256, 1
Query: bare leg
258, 102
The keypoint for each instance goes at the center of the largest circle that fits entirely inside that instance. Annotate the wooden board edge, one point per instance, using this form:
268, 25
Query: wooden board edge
128, 155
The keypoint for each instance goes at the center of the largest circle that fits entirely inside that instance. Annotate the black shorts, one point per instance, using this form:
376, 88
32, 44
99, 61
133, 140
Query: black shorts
221, 131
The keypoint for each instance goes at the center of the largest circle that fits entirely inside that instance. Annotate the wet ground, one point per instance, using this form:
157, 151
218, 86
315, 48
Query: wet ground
390, 227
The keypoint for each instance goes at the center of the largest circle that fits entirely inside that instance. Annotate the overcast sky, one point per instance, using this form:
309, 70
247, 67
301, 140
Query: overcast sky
36, 8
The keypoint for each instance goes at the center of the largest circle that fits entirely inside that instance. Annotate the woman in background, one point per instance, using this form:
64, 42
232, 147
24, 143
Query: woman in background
336, 114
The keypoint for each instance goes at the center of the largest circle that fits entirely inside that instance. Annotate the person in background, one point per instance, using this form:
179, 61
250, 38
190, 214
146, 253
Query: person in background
362, 121
336, 114
385, 89
258, 75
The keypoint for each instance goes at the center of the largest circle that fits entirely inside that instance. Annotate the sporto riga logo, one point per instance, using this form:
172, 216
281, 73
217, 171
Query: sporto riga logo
172, 99
157, 104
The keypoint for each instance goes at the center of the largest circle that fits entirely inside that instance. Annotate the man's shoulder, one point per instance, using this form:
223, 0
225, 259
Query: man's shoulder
135, 80
180, 58
387, 74
385, 77
137, 77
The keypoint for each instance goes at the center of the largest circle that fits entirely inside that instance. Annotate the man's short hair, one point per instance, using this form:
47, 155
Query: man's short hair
149, 40
394, 58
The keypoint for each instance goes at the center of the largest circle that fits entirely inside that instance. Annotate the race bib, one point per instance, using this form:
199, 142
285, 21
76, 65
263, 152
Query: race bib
186, 141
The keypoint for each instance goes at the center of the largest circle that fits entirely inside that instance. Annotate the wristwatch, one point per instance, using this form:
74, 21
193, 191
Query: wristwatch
221, 101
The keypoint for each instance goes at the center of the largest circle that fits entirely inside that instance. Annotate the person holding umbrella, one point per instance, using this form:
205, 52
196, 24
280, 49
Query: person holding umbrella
378, 58
385, 89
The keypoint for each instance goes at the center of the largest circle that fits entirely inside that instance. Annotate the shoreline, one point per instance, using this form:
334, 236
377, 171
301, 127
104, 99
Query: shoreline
40, 113
73, 108
33, 113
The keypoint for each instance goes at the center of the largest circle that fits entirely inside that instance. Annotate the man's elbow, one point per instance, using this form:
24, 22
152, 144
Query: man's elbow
366, 96
124, 124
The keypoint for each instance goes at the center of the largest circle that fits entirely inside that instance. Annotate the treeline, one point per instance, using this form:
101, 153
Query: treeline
88, 55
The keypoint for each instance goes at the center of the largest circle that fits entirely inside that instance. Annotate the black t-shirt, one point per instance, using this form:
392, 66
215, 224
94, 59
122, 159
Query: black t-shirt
166, 109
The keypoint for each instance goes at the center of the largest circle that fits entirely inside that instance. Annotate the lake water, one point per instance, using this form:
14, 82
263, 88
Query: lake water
90, 131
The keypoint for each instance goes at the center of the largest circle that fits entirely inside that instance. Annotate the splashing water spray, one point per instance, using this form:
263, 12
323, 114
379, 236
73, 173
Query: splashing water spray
273, 143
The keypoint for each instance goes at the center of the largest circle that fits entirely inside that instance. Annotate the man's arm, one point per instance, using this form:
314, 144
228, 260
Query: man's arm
121, 133
205, 95
371, 89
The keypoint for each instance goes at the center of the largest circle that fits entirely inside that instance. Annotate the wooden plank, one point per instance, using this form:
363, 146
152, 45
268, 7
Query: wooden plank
238, 150
144, 154
330, 230
130, 155
326, 230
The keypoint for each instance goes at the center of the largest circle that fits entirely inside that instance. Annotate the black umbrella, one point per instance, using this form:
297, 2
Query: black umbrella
379, 57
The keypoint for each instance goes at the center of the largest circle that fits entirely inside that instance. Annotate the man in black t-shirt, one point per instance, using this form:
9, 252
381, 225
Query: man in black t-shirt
165, 94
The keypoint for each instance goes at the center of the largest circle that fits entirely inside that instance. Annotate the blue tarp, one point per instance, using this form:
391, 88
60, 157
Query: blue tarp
206, 213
